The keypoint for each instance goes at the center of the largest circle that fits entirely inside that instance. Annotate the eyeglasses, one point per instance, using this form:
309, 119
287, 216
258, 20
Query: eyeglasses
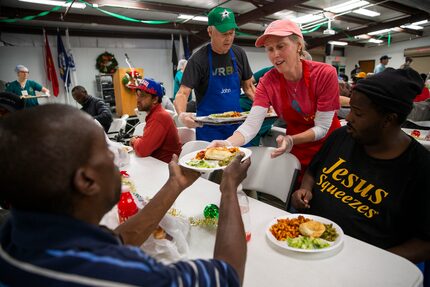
141, 94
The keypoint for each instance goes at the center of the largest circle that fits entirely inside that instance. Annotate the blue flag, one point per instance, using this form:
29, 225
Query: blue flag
65, 63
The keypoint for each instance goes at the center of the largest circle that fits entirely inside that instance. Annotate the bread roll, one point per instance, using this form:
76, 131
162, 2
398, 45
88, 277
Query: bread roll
218, 153
159, 233
312, 229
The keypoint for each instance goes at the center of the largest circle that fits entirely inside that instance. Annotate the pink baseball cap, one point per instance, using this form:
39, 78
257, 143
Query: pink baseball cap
282, 28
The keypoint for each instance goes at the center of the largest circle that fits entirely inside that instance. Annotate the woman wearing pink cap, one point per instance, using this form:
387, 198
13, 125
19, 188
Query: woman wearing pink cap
304, 93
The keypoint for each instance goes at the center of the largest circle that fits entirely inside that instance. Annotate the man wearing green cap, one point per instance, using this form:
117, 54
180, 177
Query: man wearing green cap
216, 72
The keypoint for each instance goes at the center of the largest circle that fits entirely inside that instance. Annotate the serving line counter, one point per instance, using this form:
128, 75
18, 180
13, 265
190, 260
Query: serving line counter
354, 263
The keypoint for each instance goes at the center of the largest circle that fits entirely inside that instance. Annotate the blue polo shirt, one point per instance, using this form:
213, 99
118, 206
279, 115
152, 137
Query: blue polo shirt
40, 249
30, 86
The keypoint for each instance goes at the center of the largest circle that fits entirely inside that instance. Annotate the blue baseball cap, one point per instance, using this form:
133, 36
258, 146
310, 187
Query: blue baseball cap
152, 87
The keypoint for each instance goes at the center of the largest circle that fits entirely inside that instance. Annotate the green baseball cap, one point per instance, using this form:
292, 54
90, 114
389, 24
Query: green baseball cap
222, 19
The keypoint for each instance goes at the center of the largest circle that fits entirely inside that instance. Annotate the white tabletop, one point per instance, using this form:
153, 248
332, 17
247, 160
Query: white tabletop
354, 264
422, 138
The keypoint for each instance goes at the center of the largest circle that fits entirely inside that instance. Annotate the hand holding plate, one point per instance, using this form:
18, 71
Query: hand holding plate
234, 173
179, 176
188, 120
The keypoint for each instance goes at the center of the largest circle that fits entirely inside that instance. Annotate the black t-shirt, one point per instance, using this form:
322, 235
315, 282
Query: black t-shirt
382, 202
196, 74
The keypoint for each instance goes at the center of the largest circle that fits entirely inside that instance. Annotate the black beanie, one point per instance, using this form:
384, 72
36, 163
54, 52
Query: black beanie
393, 89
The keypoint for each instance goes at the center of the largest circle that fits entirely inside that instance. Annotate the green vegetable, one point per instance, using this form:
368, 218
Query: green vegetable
304, 242
226, 161
330, 233
201, 163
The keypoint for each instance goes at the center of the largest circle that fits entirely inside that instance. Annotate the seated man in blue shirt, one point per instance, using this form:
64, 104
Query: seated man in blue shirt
370, 177
52, 237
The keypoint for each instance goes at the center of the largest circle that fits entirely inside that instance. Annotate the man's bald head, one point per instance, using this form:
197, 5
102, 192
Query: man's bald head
41, 149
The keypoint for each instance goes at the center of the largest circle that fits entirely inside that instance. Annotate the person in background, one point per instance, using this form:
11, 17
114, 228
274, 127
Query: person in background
178, 78
407, 64
344, 90
357, 78
370, 177
305, 94
94, 106
160, 137
216, 72
9, 103
383, 62
344, 96
355, 71
25, 87
425, 93
52, 237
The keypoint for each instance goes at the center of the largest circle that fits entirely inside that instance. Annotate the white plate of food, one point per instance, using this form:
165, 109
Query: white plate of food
305, 233
210, 159
227, 116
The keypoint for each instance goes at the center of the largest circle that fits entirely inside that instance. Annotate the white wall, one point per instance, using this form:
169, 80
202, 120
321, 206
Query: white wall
154, 56
395, 51
257, 58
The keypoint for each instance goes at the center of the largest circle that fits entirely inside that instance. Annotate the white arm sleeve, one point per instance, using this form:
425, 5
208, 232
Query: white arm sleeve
253, 122
323, 122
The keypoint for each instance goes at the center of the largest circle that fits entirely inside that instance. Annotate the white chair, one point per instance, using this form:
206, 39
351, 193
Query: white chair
140, 115
275, 176
269, 140
138, 130
193, 146
177, 121
186, 134
171, 113
117, 128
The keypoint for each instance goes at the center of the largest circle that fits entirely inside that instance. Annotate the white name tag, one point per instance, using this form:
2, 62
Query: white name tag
24, 93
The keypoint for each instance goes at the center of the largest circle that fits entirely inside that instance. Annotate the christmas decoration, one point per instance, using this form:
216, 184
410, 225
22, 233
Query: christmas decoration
211, 211
131, 79
106, 63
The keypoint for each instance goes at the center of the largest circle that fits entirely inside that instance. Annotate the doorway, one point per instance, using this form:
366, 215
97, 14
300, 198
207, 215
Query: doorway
367, 66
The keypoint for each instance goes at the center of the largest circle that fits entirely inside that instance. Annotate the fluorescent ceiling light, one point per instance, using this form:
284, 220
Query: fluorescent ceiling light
371, 40
191, 17
56, 3
307, 18
366, 12
379, 32
362, 36
283, 14
338, 43
347, 6
412, 27
420, 22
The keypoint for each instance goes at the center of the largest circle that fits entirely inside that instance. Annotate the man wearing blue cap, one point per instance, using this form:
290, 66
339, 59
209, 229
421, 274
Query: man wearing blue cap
160, 137
383, 61
216, 72
25, 87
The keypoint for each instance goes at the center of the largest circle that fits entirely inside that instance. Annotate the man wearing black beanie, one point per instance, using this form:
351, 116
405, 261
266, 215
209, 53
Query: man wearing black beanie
370, 177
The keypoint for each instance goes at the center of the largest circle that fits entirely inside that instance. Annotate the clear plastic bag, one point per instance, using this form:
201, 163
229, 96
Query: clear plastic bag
173, 247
